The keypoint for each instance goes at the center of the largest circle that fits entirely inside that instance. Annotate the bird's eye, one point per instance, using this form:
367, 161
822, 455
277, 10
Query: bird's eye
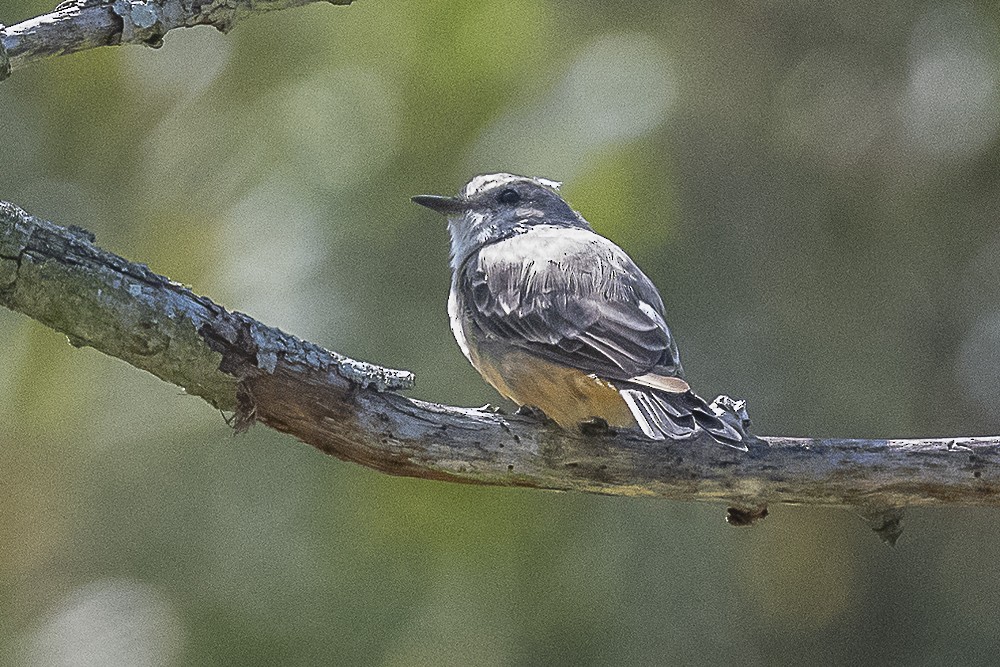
508, 196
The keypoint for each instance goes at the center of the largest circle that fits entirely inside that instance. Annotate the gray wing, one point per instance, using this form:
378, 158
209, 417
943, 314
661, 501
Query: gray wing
575, 298
572, 297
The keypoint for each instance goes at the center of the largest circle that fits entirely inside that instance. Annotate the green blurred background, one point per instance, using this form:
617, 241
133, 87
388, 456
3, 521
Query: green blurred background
814, 189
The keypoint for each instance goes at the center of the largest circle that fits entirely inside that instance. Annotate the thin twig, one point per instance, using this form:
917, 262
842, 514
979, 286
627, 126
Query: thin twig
78, 25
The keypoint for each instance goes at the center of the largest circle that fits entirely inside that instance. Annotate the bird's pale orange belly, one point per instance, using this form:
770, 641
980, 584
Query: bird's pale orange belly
567, 395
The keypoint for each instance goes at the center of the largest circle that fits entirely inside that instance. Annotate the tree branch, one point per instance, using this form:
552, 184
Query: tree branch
348, 408
77, 25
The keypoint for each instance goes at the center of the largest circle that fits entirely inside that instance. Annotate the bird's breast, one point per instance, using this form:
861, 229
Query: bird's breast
567, 395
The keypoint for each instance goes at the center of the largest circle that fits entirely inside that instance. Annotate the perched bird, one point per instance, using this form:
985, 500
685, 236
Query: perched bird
557, 317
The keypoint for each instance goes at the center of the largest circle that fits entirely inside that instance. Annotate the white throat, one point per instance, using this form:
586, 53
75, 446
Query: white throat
468, 233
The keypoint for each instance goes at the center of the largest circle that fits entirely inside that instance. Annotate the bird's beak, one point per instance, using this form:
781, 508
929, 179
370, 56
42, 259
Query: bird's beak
443, 205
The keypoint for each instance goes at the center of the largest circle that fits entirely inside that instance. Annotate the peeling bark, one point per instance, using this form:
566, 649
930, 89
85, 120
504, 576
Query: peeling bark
349, 408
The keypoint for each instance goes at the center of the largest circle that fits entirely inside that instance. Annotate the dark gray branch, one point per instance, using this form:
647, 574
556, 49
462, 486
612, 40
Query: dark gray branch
77, 25
348, 409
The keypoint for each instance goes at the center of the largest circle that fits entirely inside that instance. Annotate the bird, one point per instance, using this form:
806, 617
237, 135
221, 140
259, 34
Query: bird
557, 317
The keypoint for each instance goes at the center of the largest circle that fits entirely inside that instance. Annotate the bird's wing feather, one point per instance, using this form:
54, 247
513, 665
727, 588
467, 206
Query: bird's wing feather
677, 416
574, 298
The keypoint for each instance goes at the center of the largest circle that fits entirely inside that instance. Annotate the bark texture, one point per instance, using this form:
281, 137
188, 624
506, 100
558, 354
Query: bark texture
77, 25
350, 409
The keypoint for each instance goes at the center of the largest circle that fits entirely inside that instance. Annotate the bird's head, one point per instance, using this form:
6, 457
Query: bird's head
493, 206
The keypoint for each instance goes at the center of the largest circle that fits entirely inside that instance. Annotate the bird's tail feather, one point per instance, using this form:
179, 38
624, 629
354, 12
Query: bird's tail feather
662, 414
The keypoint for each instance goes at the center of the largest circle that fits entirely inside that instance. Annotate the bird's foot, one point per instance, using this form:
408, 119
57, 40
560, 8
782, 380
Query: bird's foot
736, 410
734, 414
493, 409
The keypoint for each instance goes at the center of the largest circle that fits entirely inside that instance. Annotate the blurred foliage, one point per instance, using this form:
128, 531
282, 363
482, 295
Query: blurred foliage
813, 187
